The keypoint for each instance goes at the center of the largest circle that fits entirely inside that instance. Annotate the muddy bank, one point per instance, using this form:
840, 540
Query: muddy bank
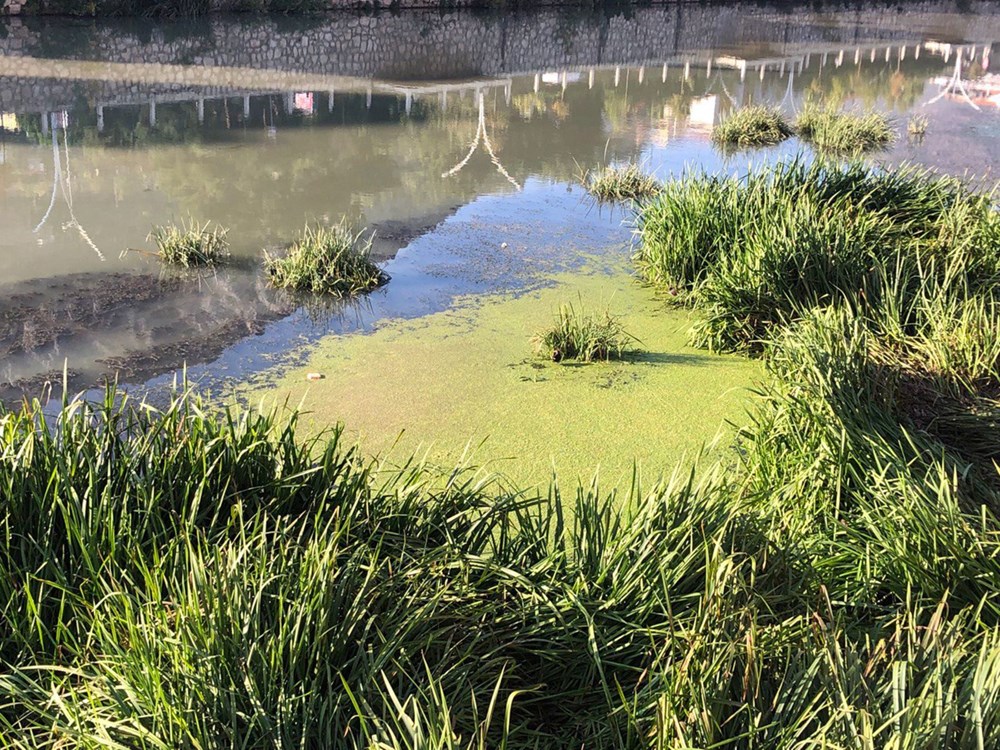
124, 326
39, 313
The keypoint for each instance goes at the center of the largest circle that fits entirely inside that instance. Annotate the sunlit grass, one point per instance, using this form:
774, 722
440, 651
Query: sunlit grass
327, 260
752, 126
622, 184
755, 252
581, 335
191, 244
170, 575
196, 576
845, 132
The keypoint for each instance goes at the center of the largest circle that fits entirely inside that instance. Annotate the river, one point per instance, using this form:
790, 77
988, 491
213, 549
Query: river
459, 138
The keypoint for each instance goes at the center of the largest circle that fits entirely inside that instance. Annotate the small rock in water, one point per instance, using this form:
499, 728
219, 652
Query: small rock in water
314, 376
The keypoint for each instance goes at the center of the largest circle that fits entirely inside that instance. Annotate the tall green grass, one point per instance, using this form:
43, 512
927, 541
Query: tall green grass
195, 578
210, 578
754, 252
621, 184
191, 244
585, 336
871, 457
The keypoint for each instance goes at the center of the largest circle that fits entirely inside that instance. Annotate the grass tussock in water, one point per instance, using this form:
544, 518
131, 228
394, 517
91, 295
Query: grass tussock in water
327, 260
584, 336
837, 132
752, 126
191, 244
622, 184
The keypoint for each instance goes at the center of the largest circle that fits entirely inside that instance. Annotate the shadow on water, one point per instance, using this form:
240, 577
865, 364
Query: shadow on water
686, 360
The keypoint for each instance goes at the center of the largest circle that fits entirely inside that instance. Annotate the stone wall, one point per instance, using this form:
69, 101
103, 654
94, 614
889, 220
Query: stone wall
258, 53
16, 7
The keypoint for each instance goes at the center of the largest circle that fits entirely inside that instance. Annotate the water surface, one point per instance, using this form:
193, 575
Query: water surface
459, 138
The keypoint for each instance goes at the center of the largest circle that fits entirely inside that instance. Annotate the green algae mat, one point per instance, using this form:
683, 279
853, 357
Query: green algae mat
466, 384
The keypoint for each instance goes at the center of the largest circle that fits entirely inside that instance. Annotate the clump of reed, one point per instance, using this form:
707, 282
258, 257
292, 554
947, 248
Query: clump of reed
622, 184
327, 260
191, 244
584, 336
754, 252
752, 126
845, 132
872, 295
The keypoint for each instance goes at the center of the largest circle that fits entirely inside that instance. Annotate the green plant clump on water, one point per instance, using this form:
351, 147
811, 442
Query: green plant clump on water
327, 260
845, 132
577, 334
191, 244
622, 184
752, 126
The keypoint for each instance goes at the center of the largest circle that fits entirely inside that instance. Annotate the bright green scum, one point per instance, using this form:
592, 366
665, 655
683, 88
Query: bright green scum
468, 379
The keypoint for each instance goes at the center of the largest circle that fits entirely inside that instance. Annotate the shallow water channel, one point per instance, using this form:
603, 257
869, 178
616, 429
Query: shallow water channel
458, 137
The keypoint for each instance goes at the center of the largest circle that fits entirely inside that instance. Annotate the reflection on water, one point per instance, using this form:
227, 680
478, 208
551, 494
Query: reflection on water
397, 122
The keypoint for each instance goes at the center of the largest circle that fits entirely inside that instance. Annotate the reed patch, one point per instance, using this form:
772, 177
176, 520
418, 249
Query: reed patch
621, 184
752, 126
586, 336
837, 132
191, 244
332, 261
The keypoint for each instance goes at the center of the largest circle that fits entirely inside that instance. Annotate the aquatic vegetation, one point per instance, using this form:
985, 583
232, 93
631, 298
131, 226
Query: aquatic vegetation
752, 126
577, 334
176, 576
845, 132
191, 244
327, 260
753, 253
622, 184
531, 418
917, 125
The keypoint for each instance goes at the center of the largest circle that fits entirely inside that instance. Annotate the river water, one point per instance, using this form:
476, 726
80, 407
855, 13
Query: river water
459, 138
